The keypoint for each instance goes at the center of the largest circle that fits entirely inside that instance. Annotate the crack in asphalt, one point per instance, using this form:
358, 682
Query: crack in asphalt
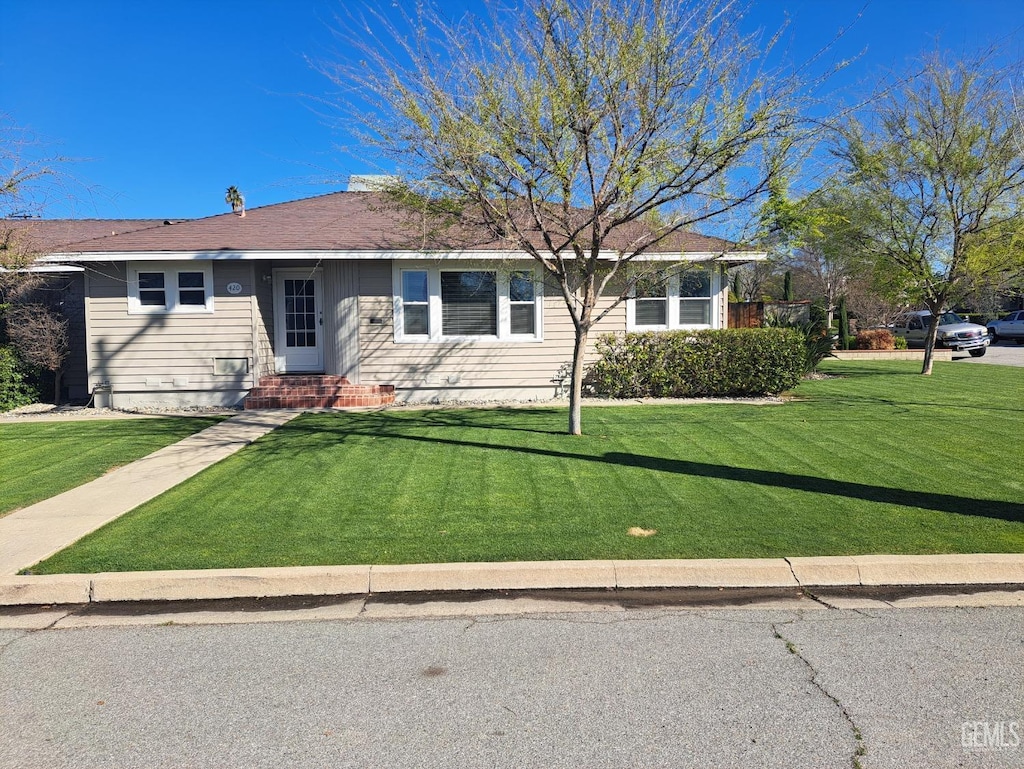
858, 737
32, 631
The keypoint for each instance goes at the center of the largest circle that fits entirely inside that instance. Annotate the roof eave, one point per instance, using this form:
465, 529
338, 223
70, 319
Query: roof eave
728, 257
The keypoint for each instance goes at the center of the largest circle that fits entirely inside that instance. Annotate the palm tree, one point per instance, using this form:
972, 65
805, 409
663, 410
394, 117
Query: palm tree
234, 199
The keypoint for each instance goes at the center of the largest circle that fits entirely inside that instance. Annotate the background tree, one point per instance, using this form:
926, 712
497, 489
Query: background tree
37, 331
752, 282
583, 133
26, 183
819, 240
235, 199
940, 164
871, 302
40, 335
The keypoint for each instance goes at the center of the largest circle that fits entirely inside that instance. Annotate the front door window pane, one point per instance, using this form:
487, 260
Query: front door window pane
300, 319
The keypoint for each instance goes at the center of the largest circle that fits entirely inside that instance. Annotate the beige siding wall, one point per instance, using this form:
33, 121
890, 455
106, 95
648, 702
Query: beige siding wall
463, 369
169, 358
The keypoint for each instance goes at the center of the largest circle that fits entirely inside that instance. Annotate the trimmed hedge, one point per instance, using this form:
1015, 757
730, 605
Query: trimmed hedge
694, 364
876, 339
16, 388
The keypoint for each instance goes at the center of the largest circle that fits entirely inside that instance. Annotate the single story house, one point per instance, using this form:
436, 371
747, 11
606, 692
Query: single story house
336, 300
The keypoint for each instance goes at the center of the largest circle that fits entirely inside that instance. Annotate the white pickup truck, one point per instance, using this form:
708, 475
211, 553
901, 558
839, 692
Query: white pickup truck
954, 332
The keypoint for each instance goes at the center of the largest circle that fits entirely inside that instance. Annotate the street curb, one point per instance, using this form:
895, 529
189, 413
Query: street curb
797, 572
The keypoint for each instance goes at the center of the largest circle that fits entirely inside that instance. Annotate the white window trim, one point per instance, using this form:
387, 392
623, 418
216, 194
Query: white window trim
171, 290
434, 270
672, 297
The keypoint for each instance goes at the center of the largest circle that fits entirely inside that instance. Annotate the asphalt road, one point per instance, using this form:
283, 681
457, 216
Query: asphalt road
800, 685
1002, 353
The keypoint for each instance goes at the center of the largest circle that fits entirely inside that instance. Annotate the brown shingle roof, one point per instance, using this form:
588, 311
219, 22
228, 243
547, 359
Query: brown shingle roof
48, 235
340, 221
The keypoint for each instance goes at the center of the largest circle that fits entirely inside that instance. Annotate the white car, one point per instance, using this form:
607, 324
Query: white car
1008, 327
954, 333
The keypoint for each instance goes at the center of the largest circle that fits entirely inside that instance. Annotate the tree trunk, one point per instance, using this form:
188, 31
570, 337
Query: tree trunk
929, 343
576, 389
56, 386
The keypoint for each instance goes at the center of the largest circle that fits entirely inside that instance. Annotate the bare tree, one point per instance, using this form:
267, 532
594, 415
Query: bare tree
872, 305
753, 280
582, 133
28, 183
939, 165
40, 335
23, 188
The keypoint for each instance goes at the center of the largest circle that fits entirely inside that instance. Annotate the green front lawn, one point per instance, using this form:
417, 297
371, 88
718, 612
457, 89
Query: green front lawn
879, 461
39, 460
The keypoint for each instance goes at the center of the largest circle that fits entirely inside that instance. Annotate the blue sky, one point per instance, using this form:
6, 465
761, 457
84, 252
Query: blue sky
163, 105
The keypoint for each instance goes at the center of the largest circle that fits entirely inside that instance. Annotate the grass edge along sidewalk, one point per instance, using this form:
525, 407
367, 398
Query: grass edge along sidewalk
41, 459
37, 531
845, 469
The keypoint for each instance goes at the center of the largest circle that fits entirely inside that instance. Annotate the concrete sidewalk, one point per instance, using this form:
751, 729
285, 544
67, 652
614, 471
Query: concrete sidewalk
33, 533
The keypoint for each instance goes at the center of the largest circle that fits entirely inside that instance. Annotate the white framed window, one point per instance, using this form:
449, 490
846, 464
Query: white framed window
679, 297
441, 302
523, 307
170, 287
695, 298
415, 303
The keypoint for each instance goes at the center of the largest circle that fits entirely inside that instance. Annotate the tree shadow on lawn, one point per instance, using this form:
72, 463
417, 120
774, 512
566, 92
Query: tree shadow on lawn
946, 503
527, 420
953, 407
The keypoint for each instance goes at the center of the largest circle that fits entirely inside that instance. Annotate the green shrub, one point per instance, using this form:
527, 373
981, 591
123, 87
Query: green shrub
16, 388
899, 343
693, 364
876, 339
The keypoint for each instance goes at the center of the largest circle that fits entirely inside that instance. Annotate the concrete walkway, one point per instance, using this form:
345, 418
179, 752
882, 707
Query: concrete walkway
33, 533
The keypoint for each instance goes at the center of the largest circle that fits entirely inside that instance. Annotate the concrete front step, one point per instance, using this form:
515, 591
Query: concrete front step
316, 391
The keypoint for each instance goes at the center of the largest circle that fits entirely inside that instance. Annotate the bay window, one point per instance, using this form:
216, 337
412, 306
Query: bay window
675, 298
436, 303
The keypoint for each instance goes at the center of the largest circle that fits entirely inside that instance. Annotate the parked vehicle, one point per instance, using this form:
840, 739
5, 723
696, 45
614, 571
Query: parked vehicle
1008, 327
954, 333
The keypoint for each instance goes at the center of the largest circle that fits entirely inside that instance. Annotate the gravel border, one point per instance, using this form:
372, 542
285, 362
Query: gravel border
45, 412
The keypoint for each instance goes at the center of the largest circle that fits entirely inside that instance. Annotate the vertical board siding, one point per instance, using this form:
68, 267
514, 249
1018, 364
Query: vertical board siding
263, 293
341, 319
146, 352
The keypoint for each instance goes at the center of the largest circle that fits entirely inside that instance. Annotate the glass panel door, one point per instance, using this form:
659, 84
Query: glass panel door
299, 321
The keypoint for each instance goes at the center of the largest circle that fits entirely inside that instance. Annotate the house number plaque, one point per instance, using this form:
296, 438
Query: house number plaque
234, 288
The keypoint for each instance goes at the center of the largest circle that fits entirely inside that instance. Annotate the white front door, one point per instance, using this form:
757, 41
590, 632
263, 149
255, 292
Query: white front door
298, 321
